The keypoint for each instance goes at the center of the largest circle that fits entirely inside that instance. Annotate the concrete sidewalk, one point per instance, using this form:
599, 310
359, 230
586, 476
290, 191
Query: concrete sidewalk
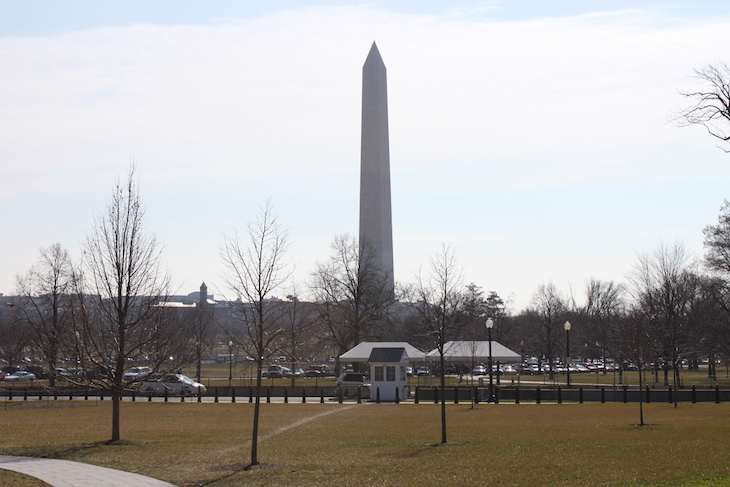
63, 473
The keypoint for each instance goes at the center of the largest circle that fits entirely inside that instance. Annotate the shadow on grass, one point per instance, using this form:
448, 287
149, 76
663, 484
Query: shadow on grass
233, 469
73, 452
433, 446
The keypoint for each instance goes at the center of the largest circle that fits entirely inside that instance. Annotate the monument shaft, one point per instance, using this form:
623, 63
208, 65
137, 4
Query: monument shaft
376, 224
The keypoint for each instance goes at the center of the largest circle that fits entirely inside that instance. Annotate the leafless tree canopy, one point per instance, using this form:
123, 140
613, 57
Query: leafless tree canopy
124, 284
711, 105
353, 296
48, 290
255, 269
439, 300
549, 310
667, 291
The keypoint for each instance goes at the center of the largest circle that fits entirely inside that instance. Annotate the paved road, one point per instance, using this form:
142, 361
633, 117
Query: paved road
63, 473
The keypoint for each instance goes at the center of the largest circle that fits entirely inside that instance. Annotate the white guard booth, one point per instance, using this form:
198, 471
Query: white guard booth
388, 363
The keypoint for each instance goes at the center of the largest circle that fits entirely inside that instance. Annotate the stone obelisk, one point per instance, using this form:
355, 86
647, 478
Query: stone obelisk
376, 224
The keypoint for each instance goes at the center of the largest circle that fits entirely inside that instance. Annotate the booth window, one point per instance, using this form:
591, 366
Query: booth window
379, 374
390, 371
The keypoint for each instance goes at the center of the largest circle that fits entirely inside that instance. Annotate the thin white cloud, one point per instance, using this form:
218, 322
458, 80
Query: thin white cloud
269, 107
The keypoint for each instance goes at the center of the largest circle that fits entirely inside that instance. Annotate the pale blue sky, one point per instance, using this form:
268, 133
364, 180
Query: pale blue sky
531, 136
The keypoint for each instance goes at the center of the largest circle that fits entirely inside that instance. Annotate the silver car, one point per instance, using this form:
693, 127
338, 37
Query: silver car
171, 384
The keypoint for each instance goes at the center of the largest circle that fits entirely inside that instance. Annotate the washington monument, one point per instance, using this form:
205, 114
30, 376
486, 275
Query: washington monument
376, 224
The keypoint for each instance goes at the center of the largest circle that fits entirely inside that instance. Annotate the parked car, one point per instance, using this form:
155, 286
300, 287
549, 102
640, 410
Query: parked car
350, 382
274, 372
20, 376
172, 384
136, 373
479, 370
318, 371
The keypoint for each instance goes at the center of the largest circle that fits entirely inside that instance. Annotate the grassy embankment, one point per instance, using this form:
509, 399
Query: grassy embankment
386, 444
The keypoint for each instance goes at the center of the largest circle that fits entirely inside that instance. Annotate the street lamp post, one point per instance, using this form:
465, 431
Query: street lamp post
230, 362
567, 349
490, 324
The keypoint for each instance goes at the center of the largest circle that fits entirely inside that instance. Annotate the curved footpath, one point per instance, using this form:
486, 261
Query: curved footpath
63, 473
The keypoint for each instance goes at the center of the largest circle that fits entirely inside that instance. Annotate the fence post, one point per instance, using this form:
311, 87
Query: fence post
648, 398
286, 395
250, 393
304, 394
268, 394
456, 395
694, 394
537, 395
25, 393
415, 397
580, 394
339, 395
496, 395
216, 394
670, 396
359, 394
397, 394
603, 395
436, 395
517, 394
717, 393
200, 395
626, 394
233, 394
165, 395
560, 395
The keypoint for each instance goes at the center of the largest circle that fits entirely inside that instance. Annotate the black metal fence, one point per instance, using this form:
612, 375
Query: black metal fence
422, 394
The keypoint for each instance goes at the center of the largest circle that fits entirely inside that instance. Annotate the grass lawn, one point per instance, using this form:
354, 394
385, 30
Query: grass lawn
573, 445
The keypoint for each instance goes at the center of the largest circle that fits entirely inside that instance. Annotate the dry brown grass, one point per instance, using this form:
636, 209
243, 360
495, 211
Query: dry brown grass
388, 444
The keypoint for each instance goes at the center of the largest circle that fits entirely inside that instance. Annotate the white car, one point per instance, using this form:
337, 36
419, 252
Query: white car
172, 384
136, 373
20, 376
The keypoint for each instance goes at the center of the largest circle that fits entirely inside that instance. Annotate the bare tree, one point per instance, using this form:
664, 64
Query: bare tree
667, 289
604, 307
353, 295
299, 323
711, 108
47, 290
549, 308
255, 269
439, 300
15, 335
122, 288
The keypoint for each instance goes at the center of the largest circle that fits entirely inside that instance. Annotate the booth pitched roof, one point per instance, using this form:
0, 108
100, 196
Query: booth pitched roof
362, 351
388, 355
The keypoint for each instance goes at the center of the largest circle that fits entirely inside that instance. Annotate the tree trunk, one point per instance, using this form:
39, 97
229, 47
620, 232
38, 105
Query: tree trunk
443, 399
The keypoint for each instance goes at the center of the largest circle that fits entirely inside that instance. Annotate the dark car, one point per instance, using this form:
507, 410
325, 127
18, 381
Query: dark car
274, 372
319, 371
349, 384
